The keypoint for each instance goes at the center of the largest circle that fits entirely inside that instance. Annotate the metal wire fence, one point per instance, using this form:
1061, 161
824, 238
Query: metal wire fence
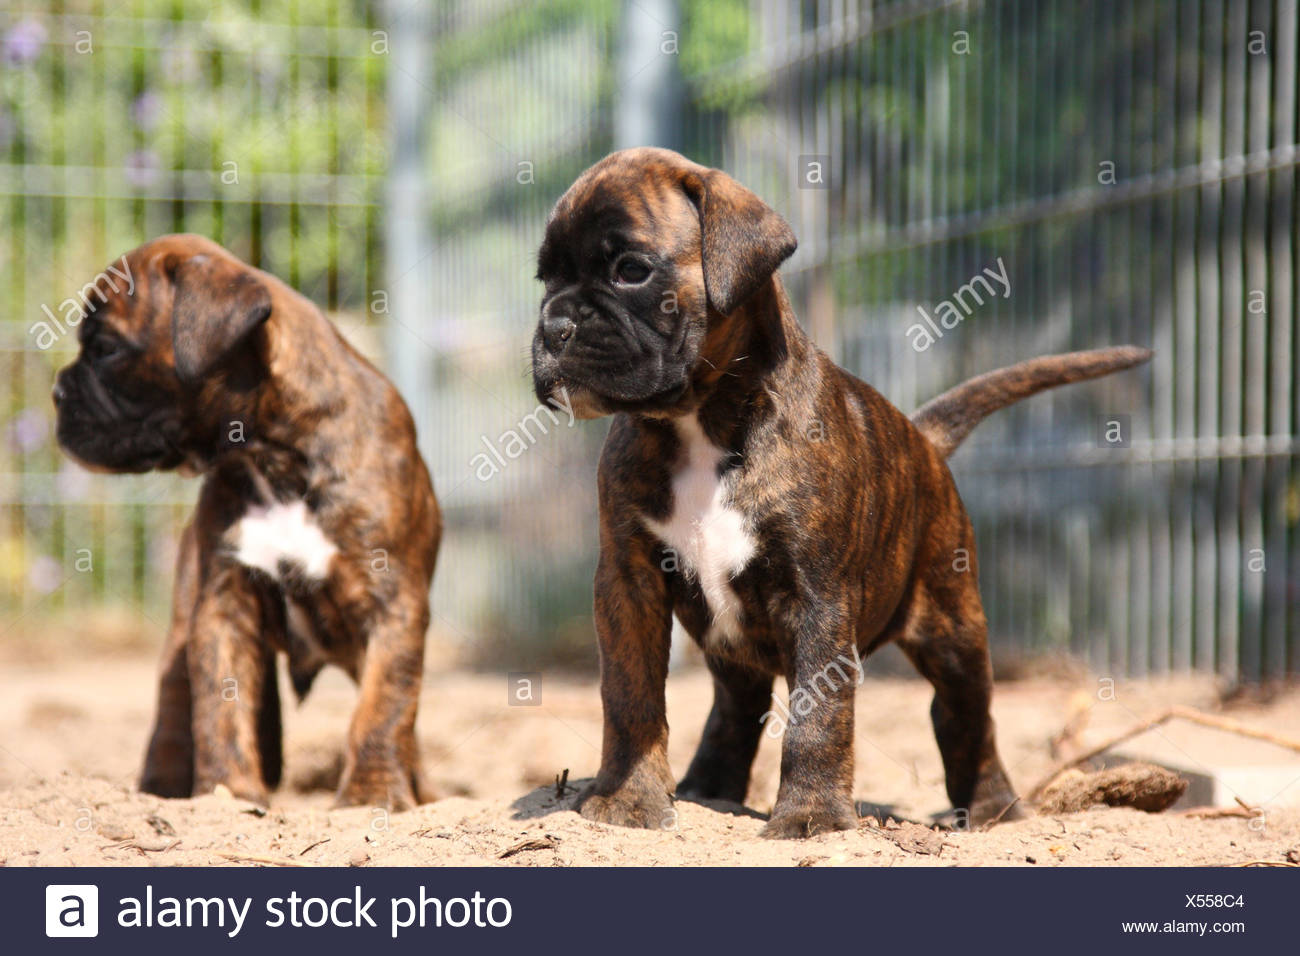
1128, 170
259, 125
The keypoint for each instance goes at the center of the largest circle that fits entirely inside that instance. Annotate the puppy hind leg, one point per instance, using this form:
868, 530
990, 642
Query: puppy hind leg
721, 767
952, 654
270, 738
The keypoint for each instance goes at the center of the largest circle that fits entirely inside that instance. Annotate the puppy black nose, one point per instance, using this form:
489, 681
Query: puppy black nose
58, 393
556, 330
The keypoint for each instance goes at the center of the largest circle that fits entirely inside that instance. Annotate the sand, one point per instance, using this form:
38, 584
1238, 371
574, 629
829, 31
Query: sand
73, 727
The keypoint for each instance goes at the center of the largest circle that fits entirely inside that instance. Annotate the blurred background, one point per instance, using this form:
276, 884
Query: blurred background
1131, 164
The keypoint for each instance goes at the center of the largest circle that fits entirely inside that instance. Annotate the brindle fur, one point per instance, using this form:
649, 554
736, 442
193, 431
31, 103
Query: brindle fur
860, 531
207, 346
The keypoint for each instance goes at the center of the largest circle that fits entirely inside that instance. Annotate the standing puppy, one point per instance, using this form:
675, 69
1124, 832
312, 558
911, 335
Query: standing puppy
316, 527
785, 512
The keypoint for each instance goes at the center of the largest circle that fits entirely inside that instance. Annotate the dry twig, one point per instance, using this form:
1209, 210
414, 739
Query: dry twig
547, 842
255, 858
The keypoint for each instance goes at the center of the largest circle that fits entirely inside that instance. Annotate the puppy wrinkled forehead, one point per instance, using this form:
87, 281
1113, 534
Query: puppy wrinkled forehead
610, 210
575, 233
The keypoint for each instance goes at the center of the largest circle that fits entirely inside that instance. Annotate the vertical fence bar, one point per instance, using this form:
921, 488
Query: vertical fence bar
1230, 386
1283, 360
408, 242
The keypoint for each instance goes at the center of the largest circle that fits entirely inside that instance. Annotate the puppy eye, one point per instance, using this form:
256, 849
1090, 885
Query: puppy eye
103, 347
631, 271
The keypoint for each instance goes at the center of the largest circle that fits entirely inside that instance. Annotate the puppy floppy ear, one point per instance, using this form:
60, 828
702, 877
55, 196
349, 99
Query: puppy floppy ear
216, 305
743, 239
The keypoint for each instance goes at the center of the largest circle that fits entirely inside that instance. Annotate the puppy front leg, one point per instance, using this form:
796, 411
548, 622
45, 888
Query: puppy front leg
381, 768
633, 626
816, 791
169, 761
227, 668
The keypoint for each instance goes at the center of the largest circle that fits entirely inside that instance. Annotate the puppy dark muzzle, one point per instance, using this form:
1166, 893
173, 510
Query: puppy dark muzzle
110, 431
629, 366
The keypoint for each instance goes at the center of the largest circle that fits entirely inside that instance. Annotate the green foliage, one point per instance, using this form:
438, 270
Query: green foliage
716, 33
190, 116
460, 52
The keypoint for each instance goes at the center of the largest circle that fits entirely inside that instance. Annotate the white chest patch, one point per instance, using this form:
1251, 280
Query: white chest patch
267, 535
710, 538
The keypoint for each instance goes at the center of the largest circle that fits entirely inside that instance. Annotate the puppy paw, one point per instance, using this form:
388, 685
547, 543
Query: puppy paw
1002, 808
995, 801
391, 789
394, 797
717, 787
797, 823
643, 808
164, 784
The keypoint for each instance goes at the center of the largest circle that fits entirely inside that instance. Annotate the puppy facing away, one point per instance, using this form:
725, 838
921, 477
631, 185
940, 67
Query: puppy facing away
787, 514
316, 529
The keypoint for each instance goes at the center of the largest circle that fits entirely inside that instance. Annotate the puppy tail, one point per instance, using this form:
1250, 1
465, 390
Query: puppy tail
948, 419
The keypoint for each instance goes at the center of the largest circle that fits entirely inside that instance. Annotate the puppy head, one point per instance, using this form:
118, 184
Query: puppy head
647, 259
157, 327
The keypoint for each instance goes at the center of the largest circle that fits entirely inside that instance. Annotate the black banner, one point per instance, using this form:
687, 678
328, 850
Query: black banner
194, 911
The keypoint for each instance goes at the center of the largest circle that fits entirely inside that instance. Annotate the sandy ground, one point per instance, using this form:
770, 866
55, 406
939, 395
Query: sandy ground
72, 730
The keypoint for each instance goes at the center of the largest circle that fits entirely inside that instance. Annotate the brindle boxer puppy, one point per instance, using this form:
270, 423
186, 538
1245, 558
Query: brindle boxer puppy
316, 527
781, 508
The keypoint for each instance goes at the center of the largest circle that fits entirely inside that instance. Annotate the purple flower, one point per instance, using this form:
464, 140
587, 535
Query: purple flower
28, 430
145, 110
141, 167
45, 575
24, 41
